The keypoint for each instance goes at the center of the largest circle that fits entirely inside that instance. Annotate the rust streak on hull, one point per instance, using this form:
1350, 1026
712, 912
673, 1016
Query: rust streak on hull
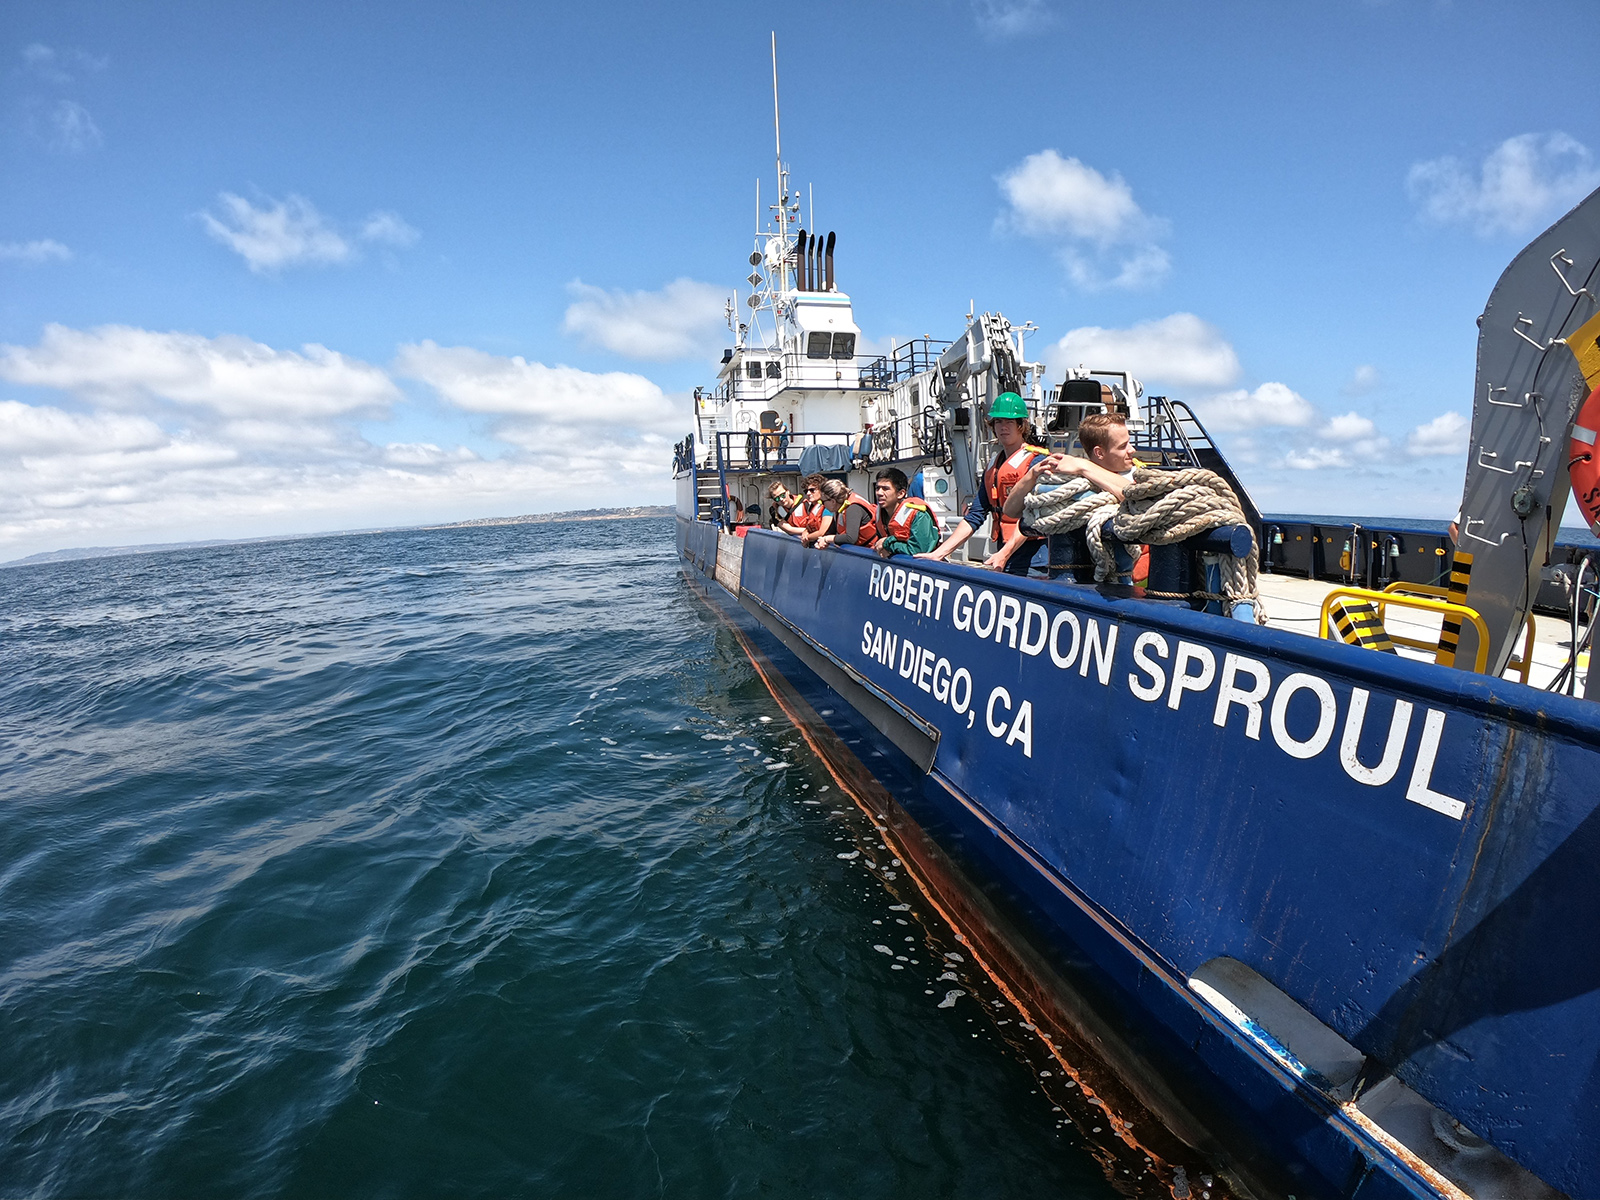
1064, 1029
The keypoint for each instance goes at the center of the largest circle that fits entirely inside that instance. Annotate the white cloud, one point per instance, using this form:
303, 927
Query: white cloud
679, 321
1351, 427
280, 234
34, 429
1143, 267
166, 436
231, 376
1363, 380
1049, 195
1355, 442
1106, 239
57, 66
999, 20
292, 232
425, 454
1180, 349
1348, 442
489, 383
1318, 458
1522, 184
41, 251
41, 60
1270, 405
1447, 434
578, 425
389, 229
64, 127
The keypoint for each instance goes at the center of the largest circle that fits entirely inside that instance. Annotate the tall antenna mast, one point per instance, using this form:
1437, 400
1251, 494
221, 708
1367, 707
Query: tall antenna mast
777, 137
783, 183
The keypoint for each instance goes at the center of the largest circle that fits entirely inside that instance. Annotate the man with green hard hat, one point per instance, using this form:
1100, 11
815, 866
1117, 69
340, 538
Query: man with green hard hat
1017, 451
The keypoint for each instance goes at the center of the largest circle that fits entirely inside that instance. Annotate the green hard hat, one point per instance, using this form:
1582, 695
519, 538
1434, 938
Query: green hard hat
1008, 404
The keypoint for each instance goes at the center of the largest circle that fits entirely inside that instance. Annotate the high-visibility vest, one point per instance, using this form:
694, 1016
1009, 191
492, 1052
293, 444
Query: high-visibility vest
808, 516
899, 525
869, 523
1000, 478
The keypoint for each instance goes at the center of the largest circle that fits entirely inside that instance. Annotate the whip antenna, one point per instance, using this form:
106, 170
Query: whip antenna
777, 137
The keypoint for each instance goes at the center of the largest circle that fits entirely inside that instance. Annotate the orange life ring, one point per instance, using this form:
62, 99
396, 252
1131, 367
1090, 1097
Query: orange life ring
1584, 460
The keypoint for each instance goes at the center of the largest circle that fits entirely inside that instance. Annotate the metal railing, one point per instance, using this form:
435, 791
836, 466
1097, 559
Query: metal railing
908, 359
765, 450
1173, 435
1382, 600
1522, 664
917, 435
796, 370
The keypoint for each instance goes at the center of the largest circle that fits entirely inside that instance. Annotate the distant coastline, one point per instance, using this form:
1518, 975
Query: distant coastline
582, 514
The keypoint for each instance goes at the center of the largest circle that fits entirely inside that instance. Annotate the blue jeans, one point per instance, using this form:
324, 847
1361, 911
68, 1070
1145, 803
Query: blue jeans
1019, 562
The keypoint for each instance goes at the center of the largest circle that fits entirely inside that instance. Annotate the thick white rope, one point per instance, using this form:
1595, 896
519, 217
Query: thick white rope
1158, 508
1074, 504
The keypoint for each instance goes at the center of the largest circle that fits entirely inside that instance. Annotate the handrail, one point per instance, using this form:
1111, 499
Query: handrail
1418, 589
1421, 603
1522, 664
769, 450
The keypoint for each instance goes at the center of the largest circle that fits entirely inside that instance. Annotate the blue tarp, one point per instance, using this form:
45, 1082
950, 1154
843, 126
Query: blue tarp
820, 460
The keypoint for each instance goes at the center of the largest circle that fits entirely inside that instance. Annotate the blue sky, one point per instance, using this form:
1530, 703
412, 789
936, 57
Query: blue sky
275, 268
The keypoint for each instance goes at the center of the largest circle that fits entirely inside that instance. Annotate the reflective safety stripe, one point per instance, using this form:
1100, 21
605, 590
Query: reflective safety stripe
1450, 629
998, 480
1358, 623
869, 523
900, 523
1580, 434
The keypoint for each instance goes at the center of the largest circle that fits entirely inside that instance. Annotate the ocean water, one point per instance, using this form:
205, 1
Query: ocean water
471, 862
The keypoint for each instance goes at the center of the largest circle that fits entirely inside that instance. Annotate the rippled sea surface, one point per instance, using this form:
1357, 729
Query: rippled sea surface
473, 862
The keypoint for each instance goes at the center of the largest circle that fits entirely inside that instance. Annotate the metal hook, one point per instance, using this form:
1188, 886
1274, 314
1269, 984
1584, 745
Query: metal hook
1512, 470
1466, 532
1528, 321
1575, 292
1500, 403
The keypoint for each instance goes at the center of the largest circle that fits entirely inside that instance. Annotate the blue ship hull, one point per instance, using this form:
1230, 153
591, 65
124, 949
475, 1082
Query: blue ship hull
1315, 904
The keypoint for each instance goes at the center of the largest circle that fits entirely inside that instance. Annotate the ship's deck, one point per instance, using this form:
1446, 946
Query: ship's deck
1295, 604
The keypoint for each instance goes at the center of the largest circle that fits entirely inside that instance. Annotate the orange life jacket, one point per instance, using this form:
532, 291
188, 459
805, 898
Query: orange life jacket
1000, 478
869, 523
900, 524
808, 516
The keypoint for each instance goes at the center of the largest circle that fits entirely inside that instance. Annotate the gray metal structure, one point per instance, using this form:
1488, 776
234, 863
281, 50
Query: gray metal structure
1530, 382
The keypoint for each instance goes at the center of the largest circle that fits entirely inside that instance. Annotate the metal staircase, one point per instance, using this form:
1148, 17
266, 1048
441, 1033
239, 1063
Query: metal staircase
1174, 437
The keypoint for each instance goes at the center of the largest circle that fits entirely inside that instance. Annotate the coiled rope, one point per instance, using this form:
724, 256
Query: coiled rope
1158, 508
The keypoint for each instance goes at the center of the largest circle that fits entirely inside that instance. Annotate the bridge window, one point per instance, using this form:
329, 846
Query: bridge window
844, 345
819, 345
753, 370
774, 370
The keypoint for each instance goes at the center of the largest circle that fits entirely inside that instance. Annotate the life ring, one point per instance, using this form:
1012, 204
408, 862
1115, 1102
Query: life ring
1584, 460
